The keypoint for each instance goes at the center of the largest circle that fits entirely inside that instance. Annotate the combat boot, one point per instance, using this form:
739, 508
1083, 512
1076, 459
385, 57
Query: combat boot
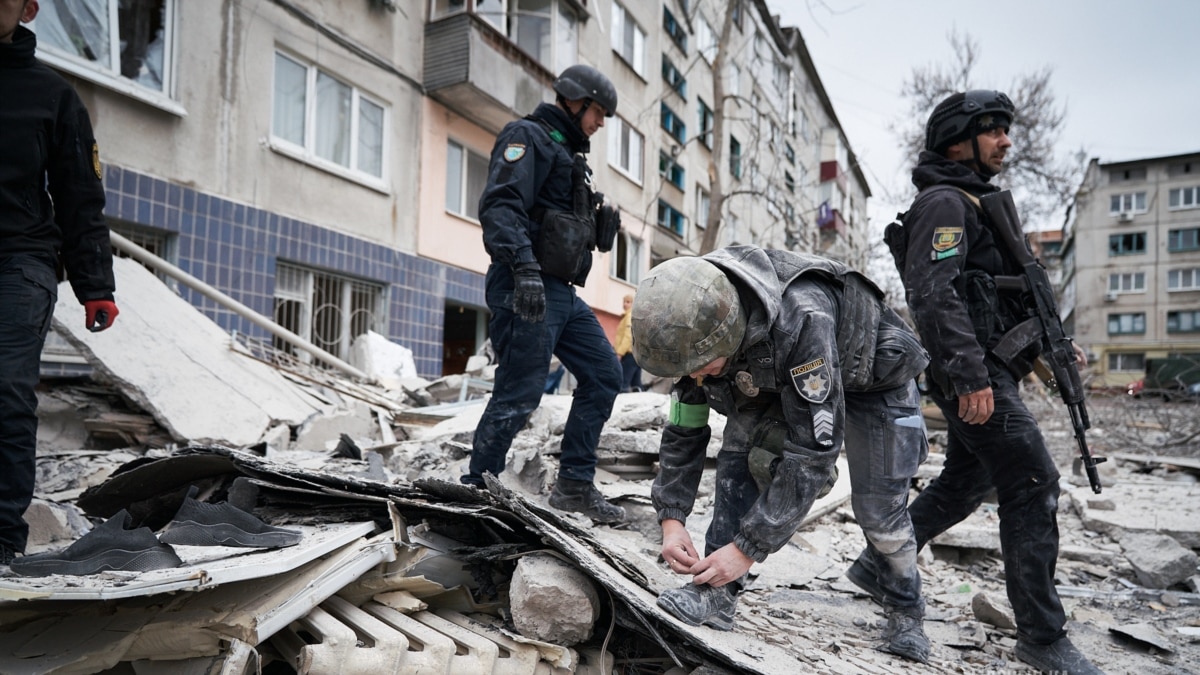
1059, 656
701, 605
906, 634
581, 496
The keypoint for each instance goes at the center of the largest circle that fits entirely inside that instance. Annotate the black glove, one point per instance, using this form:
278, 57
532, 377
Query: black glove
529, 295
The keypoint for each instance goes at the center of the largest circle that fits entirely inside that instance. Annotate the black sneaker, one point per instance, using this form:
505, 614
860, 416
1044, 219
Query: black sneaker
581, 496
7, 555
906, 636
1059, 656
199, 523
701, 605
109, 546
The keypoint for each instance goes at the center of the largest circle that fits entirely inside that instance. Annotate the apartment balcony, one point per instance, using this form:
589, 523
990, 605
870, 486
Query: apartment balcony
478, 72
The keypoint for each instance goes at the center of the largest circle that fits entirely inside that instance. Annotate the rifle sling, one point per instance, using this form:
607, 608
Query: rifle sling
1016, 340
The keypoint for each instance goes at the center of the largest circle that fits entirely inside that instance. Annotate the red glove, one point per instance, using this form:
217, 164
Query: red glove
100, 314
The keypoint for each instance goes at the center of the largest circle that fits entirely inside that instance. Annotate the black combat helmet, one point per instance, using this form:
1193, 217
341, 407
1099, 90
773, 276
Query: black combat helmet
964, 115
582, 82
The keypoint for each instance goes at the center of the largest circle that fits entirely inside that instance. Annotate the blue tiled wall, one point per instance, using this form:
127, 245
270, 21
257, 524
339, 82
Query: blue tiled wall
234, 248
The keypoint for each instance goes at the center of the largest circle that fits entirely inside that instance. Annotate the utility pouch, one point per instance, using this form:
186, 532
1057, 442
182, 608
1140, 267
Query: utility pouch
897, 242
564, 244
983, 306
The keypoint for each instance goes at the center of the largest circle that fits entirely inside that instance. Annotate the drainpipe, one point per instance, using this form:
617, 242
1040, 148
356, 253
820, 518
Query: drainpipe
146, 257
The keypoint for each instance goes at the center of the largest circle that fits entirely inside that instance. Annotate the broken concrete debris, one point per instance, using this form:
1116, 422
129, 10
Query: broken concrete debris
401, 569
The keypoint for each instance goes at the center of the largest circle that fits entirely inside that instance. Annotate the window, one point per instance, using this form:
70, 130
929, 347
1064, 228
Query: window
804, 130
1134, 282
779, 75
1127, 324
738, 12
674, 30
327, 122
673, 124
706, 39
628, 39
669, 169
706, 123
111, 40
1183, 198
443, 8
703, 203
326, 309
1183, 322
1187, 279
789, 153
627, 258
547, 30
789, 182
1127, 244
466, 176
625, 149
670, 218
735, 157
1135, 363
1187, 239
673, 77
1129, 202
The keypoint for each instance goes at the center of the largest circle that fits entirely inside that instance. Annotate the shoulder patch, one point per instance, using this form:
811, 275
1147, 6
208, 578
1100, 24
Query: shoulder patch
96, 160
514, 152
946, 238
812, 380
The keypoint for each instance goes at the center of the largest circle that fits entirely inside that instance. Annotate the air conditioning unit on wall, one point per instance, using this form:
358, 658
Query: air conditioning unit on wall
1125, 217
1110, 296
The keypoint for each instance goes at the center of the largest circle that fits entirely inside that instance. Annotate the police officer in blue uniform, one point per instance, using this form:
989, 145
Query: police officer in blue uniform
51, 204
541, 221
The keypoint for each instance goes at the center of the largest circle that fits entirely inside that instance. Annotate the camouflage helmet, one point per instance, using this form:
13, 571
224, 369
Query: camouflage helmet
686, 314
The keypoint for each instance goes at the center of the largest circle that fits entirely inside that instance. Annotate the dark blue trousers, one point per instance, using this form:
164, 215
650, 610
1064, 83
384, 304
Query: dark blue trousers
523, 350
28, 292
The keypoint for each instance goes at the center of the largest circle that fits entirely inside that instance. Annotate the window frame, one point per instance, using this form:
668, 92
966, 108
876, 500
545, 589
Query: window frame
1116, 362
620, 133
304, 292
1183, 239
673, 77
307, 152
627, 249
674, 30
672, 123
1175, 280
1116, 244
1175, 318
671, 218
109, 76
1178, 198
621, 21
464, 182
735, 157
1137, 319
1135, 201
671, 170
1137, 282
706, 121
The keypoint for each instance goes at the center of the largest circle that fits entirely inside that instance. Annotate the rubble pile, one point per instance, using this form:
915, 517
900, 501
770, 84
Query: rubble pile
402, 569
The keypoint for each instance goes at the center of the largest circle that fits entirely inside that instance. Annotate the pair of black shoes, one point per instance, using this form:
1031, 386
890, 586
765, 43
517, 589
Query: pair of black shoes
116, 545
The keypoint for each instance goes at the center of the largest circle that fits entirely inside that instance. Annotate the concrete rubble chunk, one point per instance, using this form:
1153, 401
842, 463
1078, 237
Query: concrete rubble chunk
1145, 633
989, 611
1158, 560
553, 601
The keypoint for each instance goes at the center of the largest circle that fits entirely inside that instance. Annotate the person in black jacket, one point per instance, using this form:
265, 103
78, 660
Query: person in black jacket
799, 353
51, 204
950, 259
541, 220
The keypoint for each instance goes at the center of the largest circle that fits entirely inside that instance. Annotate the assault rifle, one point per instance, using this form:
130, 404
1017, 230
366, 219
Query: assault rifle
1057, 350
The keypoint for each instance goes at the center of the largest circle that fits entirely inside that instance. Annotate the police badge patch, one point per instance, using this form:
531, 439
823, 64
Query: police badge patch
812, 380
514, 152
946, 241
96, 159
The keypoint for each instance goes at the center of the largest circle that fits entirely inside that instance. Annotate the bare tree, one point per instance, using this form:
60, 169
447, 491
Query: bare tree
1044, 178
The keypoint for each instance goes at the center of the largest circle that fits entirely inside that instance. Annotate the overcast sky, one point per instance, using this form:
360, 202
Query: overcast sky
1126, 71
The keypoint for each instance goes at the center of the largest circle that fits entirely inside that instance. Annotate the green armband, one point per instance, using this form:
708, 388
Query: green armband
688, 415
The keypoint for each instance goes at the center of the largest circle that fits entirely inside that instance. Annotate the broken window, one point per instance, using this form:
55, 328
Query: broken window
124, 38
326, 309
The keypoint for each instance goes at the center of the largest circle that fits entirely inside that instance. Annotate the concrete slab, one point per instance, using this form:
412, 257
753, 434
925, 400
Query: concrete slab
177, 365
1168, 508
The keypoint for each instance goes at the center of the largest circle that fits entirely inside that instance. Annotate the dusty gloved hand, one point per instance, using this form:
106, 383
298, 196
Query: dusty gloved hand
99, 314
529, 295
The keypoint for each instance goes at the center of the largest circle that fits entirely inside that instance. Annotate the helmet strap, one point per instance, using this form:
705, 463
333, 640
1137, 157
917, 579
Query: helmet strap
576, 118
980, 167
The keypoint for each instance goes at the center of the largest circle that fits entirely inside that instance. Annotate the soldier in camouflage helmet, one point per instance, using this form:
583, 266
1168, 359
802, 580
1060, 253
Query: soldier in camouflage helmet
801, 355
